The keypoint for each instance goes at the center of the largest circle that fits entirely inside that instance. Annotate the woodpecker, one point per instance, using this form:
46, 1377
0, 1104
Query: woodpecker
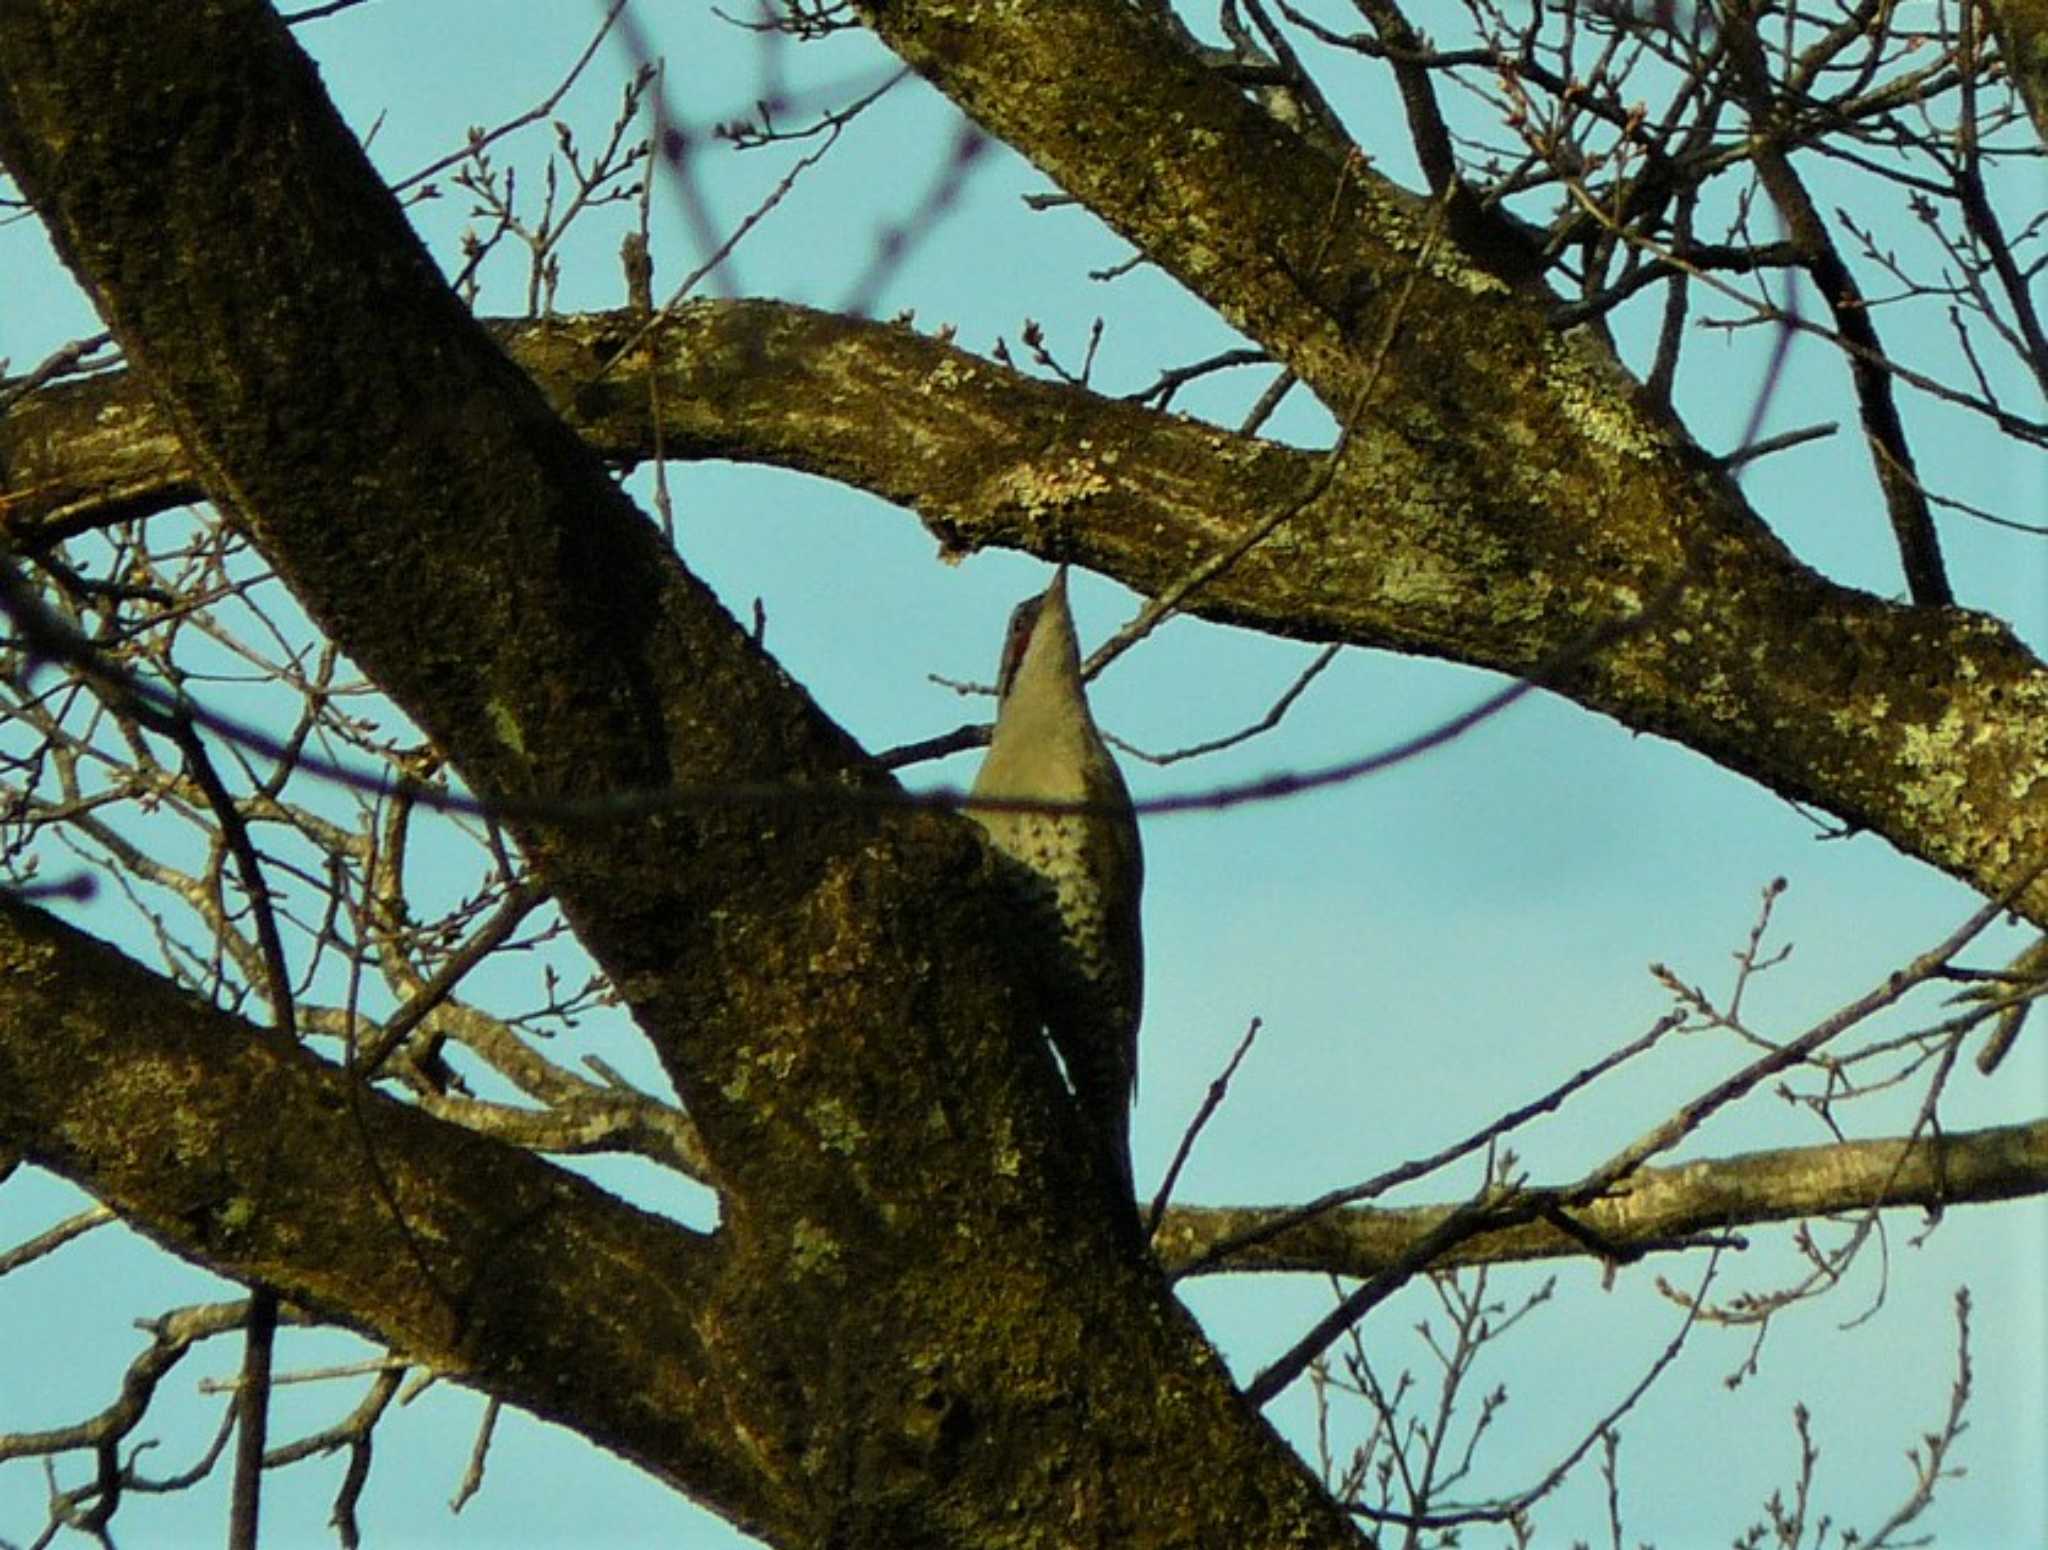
1086, 868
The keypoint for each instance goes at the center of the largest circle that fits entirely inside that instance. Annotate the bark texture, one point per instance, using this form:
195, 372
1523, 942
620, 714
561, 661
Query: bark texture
928, 1329
915, 1324
1926, 725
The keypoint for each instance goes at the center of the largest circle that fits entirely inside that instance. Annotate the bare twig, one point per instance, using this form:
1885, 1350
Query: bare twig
1211, 1101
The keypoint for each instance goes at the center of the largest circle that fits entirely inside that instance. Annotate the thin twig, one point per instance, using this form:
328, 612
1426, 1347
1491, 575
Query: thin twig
518, 904
1210, 1103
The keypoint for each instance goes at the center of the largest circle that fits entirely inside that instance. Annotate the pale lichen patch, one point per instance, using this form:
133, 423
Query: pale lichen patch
1593, 393
736, 1087
775, 1063
949, 374
1934, 754
814, 1250
1008, 1156
837, 1128
505, 725
1038, 490
1861, 718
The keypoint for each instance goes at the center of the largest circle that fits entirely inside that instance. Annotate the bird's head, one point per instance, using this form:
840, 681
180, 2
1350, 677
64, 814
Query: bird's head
1041, 638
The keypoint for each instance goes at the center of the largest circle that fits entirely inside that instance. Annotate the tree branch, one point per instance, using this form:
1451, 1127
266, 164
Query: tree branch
1655, 1209
910, 1255
239, 1152
1923, 725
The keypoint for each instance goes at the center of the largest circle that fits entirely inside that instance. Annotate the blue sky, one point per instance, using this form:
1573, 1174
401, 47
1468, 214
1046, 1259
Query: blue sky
1425, 948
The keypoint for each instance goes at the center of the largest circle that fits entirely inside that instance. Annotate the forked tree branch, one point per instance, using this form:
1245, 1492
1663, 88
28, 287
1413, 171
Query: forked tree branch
988, 456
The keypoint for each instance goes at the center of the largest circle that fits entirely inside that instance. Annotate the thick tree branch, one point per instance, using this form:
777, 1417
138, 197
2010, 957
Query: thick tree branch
917, 1325
1499, 448
945, 1339
1657, 1208
244, 1153
1924, 725
428, 508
